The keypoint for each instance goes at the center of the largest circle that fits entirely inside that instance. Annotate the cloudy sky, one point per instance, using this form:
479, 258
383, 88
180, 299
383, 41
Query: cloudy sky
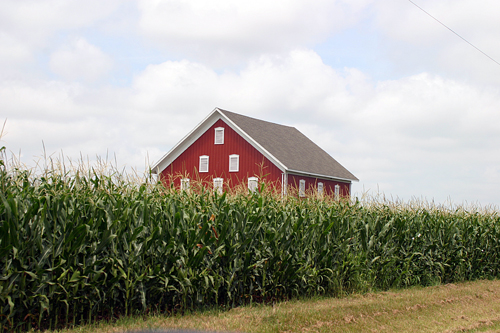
403, 103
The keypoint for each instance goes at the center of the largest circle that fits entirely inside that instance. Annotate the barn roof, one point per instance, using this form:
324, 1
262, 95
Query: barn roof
285, 146
292, 148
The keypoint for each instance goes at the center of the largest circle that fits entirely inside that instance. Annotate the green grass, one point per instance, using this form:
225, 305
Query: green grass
462, 307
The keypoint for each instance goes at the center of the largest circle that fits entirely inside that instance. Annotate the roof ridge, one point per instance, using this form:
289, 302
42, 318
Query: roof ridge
256, 119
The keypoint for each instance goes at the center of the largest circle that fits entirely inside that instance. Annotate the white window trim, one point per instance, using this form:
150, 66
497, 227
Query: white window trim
337, 190
253, 183
218, 185
302, 188
237, 163
185, 184
220, 130
321, 188
200, 166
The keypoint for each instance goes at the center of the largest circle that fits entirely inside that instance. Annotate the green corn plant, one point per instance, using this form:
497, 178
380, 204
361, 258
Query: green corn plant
86, 244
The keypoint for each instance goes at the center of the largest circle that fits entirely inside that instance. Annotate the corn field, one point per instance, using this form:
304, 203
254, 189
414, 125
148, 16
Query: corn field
81, 246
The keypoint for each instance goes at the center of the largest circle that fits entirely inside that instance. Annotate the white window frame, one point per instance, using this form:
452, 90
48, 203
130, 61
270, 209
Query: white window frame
185, 184
302, 188
220, 131
320, 188
236, 158
202, 158
253, 183
337, 190
218, 185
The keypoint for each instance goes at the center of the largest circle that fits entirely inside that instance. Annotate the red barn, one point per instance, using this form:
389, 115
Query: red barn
227, 149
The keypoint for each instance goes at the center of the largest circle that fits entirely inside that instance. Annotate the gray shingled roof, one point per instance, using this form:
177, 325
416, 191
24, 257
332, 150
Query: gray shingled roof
292, 148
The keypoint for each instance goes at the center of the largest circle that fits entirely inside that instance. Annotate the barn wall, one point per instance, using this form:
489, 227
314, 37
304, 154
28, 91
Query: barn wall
252, 162
312, 185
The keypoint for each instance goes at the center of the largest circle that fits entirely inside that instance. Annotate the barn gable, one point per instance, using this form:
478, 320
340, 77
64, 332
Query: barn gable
246, 160
231, 146
202, 128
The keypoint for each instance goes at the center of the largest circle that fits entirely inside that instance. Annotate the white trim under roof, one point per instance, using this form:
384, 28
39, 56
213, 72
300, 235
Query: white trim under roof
303, 173
254, 143
198, 131
184, 143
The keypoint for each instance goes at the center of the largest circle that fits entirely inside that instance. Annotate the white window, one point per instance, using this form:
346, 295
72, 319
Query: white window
203, 163
219, 135
185, 184
218, 182
234, 163
302, 188
253, 182
337, 190
320, 188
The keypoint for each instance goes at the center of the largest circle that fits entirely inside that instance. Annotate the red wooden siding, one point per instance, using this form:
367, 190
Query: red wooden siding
251, 161
251, 164
312, 185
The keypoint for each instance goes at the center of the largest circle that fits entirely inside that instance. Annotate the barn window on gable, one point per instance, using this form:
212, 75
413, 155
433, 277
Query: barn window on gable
219, 135
302, 188
320, 188
337, 191
234, 163
218, 183
203, 164
253, 183
185, 184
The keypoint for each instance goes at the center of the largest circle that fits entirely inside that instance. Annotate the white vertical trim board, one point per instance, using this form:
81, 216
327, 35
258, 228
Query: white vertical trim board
234, 163
219, 136
284, 184
218, 185
337, 190
302, 188
203, 164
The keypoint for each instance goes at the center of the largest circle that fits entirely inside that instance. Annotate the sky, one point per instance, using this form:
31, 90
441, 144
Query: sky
402, 102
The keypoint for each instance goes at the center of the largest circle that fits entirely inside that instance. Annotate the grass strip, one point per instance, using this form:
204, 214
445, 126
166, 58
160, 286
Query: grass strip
461, 307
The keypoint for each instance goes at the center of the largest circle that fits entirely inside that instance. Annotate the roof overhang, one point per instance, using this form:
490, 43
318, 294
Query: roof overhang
303, 173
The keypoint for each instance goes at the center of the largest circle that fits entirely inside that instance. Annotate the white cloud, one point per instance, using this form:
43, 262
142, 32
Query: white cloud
422, 135
80, 60
440, 136
414, 40
35, 20
467, 18
49, 100
29, 28
12, 50
225, 30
